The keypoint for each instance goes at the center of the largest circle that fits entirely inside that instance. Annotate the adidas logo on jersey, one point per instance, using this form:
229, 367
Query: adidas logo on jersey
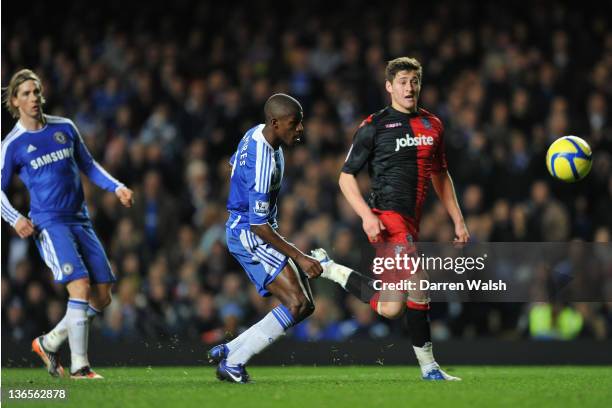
420, 140
31, 149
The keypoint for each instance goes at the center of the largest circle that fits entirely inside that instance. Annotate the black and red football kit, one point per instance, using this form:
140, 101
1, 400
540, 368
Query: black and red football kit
402, 151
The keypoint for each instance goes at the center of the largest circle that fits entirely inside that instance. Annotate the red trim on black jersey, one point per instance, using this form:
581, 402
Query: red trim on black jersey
366, 120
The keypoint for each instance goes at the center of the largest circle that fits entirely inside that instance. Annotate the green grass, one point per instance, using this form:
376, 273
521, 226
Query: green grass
314, 387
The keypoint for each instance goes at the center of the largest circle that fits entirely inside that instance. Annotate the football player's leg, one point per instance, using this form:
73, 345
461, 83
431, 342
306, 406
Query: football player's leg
417, 313
396, 240
417, 318
389, 304
99, 299
292, 289
78, 329
272, 273
78, 323
100, 272
58, 249
355, 283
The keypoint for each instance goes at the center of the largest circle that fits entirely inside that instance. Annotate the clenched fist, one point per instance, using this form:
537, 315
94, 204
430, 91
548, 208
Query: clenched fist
24, 227
126, 196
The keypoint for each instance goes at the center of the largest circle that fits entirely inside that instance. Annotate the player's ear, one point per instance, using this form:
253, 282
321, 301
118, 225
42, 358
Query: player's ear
388, 86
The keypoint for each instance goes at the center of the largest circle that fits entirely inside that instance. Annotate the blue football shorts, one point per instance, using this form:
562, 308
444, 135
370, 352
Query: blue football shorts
73, 251
261, 262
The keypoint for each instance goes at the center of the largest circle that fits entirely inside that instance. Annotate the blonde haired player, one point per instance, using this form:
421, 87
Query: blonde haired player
48, 154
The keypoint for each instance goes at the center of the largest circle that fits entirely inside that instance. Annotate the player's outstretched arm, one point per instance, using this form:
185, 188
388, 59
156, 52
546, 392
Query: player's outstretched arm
309, 265
92, 169
371, 224
445, 190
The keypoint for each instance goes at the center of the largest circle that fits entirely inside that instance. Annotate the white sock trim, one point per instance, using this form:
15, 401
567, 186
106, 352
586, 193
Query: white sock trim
336, 273
425, 357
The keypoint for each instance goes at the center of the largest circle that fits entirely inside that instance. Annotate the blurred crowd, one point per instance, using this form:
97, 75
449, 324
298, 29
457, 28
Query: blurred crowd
163, 93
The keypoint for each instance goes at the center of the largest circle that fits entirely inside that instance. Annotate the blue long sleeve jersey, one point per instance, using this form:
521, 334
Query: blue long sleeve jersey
49, 162
257, 173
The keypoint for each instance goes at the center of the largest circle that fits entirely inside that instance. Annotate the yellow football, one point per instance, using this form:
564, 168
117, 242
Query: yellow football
569, 159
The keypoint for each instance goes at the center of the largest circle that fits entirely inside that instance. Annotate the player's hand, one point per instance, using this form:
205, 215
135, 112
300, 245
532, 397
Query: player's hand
372, 226
309, 265
462, 236
24, 227
126, 196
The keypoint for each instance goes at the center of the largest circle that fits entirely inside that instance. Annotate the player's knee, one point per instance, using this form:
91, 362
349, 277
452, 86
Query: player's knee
79, 289
391, 310
100, 298
103, 301
301, 307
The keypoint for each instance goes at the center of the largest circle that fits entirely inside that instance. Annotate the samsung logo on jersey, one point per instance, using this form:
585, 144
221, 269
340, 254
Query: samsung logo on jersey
420, 140
51, 158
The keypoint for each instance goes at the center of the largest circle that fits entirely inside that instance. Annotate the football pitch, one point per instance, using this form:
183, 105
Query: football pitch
350, 386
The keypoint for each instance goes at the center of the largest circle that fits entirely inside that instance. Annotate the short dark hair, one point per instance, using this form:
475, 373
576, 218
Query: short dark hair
403, 64
279, 105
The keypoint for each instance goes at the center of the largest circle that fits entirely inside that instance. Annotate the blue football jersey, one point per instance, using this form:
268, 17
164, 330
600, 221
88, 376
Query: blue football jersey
49, 162
257, 172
